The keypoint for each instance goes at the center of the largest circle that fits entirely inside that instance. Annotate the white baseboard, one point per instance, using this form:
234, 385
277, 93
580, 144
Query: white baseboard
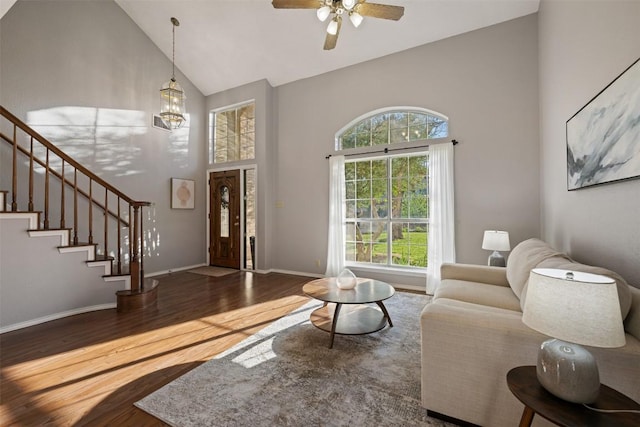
296, 273
174, 270
55, 316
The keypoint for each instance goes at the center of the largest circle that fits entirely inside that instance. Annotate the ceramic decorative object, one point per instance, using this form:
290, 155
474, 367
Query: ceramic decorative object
346, 279
568, 371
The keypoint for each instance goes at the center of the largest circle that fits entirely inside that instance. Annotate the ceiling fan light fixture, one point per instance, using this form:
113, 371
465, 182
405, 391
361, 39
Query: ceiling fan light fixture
323, 13
333, 10
332, 28
356, 19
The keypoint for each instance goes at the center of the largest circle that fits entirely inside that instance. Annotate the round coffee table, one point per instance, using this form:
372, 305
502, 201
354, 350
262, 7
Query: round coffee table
356, 318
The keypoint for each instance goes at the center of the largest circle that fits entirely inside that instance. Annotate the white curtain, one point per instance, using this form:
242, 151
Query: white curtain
441, 246
335, 251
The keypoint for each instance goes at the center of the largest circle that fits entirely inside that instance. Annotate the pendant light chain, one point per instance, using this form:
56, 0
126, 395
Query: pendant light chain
172, 97
173, 55
175, 23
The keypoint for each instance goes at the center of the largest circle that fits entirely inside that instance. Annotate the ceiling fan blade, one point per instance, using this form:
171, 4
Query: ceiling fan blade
384, 11
331, 39
296, 4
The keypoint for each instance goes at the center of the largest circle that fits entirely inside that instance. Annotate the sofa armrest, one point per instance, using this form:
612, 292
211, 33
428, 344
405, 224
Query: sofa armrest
632, 321
475, 273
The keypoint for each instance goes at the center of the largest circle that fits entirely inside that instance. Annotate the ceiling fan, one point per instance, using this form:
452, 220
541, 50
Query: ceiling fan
354, 9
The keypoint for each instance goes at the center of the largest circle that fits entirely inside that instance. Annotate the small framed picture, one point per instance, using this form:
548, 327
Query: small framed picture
182, 193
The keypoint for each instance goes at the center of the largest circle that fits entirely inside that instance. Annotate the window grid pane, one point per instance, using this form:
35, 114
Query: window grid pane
393, 127
234, 136
372, 235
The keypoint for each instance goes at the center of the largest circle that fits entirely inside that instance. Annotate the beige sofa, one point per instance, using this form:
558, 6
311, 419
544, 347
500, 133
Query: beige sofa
472, 334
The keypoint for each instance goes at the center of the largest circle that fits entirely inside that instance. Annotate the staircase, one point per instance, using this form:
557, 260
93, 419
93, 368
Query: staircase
55, 199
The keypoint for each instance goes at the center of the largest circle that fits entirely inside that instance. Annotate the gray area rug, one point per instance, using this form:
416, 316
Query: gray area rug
285, 375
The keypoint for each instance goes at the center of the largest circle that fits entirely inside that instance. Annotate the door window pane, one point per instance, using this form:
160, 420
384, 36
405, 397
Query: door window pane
224, 211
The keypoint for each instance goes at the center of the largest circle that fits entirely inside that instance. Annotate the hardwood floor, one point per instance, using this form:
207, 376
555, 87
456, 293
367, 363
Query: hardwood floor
89, 369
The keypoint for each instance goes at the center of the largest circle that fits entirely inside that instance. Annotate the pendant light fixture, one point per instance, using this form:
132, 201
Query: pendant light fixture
172, 97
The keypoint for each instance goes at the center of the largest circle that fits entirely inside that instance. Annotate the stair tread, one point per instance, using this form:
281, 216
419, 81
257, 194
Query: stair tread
79, 244
99, 258
117, 275
50, 229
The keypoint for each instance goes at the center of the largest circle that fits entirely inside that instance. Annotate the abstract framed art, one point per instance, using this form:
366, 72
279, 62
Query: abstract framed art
182, 193
603, 137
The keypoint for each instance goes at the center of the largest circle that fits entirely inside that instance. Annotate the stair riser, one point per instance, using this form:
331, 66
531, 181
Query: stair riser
19, 318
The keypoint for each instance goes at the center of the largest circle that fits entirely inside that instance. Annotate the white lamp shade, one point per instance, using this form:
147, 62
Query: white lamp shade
496, 241
584, 310
323, 13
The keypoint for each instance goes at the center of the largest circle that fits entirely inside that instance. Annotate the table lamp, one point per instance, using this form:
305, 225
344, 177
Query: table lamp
496, 241
575, 309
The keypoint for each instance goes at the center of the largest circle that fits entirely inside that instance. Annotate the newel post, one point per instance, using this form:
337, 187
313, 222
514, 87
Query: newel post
135, 262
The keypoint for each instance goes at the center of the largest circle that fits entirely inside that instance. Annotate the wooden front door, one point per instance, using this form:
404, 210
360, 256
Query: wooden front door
224, 221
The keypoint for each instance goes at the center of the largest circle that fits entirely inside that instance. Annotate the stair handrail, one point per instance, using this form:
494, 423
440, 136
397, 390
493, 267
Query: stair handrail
136, 230
69, 183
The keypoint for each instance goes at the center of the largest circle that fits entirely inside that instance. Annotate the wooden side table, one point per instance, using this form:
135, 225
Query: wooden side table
524, 385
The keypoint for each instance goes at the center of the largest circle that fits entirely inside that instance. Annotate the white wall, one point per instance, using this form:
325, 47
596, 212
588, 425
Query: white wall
485, 81
583, 47
67, 67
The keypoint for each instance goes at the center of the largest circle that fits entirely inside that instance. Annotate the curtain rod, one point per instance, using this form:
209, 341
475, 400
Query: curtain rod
386, 150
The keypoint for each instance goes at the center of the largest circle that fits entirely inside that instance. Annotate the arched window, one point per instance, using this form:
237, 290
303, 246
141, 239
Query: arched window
386, 195
392, 126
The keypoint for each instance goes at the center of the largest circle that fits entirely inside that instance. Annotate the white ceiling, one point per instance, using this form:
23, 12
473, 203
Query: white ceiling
222, 44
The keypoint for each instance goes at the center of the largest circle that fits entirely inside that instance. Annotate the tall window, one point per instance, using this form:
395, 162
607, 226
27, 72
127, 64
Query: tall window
387, 210
233, 134
386, 200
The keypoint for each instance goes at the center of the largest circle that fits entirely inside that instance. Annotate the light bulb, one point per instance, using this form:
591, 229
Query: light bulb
348, 4
323, 13
356, 19
332, 28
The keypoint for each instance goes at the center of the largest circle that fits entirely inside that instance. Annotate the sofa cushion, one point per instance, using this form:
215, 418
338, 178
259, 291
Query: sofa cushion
524, 257
478, 293
563, 263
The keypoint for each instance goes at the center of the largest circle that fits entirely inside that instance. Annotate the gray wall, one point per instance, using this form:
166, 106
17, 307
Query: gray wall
485, 82
263, 94
583, 47
33, 295
63, 61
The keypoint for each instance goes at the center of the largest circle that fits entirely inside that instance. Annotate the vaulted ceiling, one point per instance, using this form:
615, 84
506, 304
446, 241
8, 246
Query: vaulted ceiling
221, 44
